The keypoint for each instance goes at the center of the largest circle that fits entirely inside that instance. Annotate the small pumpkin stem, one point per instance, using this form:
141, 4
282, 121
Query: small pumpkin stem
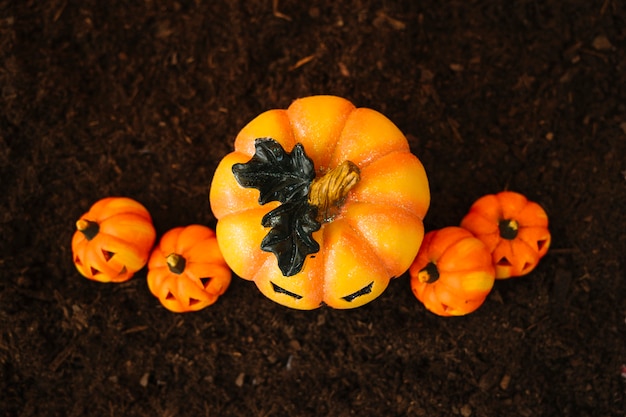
428, 274
176, 263
88, 228
508, 229
329, 191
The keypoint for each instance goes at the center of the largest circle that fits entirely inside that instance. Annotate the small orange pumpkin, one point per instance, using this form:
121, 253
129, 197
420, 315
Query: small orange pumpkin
321, 203
514, 229
452, 273
113, 240
186, 271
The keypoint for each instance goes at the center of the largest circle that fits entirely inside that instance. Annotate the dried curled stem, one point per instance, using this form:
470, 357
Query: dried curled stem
329, 191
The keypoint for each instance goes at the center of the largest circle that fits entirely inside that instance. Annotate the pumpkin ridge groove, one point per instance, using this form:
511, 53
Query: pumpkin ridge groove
338, 141
450, 247
405, 210
366, 242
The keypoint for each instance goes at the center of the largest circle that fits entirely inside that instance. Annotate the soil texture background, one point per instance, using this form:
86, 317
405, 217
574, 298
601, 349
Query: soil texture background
144, 98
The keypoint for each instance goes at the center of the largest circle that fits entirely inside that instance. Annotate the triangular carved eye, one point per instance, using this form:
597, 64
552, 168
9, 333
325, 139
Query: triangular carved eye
504, 262
77, 261
205, 281
541, 244
107, 254
280, 290
170, 296
365, 290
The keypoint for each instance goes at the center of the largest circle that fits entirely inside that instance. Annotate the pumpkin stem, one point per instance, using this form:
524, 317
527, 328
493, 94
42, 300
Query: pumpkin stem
508, 228
428, 274
176, 263
329, 191
88, 228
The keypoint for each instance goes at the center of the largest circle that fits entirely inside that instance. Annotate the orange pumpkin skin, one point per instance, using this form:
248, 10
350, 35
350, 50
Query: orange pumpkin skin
452, 273
113, 240
186, 270
514, 229
376, 232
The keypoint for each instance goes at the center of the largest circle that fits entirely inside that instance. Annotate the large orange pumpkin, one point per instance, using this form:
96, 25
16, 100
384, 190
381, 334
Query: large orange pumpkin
452, 273
113, 240
320, 203
186, 270
514, 229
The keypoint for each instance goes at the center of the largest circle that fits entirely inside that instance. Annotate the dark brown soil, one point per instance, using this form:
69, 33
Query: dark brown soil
143, 98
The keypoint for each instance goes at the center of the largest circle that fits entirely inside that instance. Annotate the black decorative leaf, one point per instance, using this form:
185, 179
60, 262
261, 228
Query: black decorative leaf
291, 236
278, 175
284, 177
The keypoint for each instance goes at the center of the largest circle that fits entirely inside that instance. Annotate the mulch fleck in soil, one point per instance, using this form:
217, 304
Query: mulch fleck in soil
144, 98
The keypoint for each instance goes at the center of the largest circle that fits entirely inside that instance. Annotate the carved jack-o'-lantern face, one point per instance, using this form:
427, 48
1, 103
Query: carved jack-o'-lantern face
452, 273
186, 271
514, 229
113, 240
